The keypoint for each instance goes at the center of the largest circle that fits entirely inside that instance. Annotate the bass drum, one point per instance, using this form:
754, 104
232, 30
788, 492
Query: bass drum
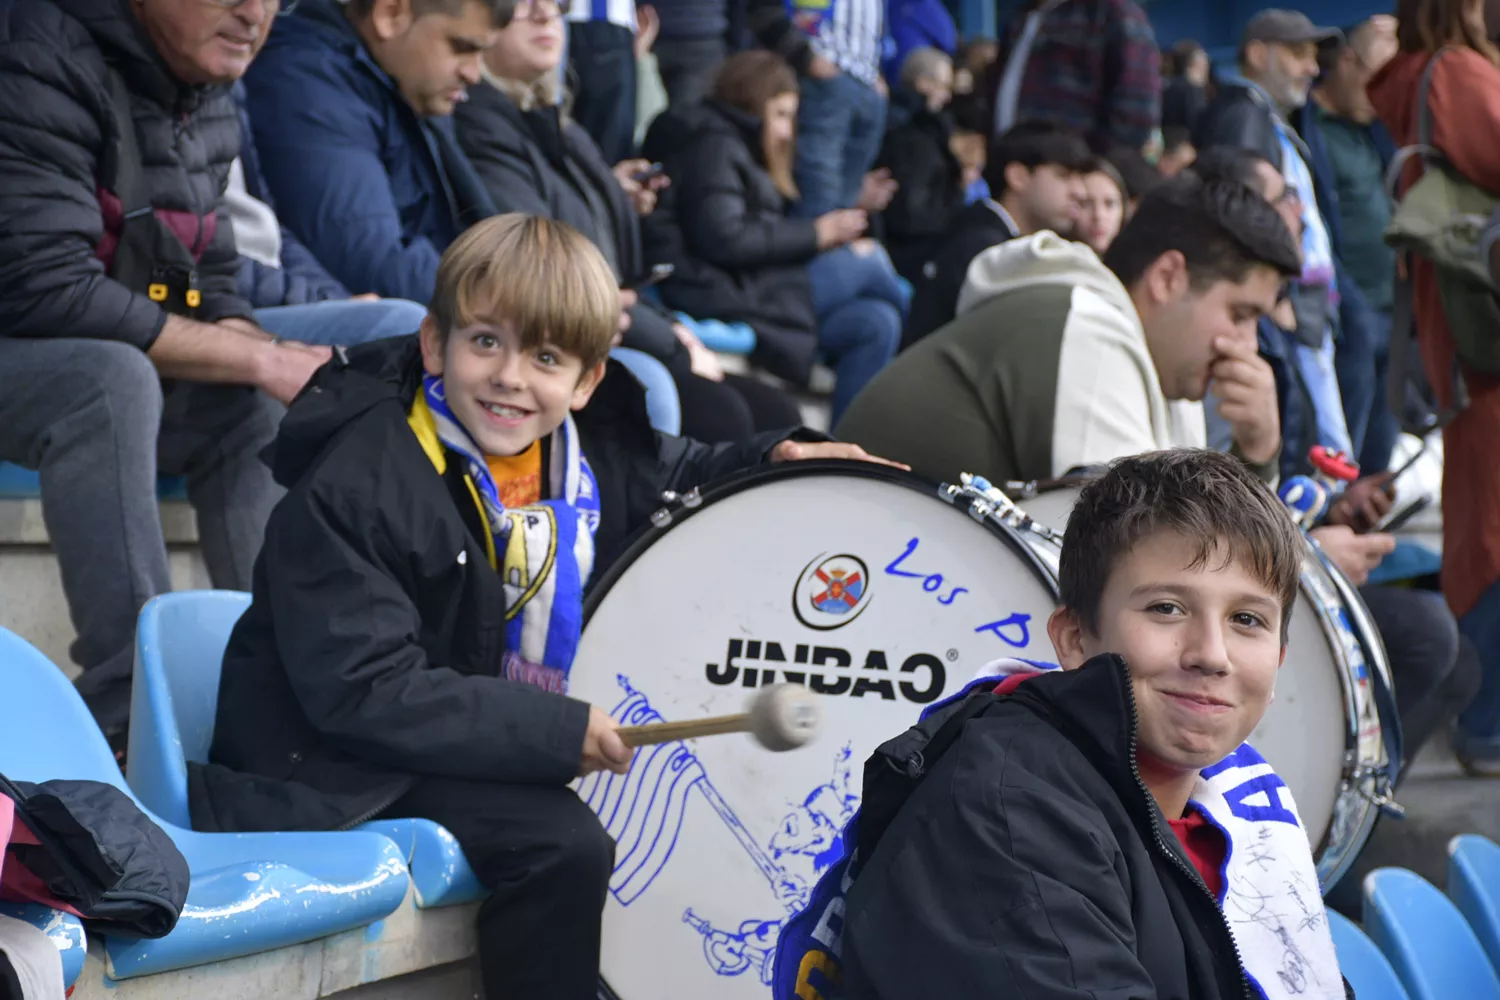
1332, 732
856, 580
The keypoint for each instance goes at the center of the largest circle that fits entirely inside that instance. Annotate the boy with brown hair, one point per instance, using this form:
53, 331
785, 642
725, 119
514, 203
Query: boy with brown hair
1101, 830
418, 600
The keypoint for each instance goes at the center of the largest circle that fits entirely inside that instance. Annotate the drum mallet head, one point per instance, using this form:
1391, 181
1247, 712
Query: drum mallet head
781, 717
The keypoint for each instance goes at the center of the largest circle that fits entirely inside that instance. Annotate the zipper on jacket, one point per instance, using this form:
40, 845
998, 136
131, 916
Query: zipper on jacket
1161, 844
370, 814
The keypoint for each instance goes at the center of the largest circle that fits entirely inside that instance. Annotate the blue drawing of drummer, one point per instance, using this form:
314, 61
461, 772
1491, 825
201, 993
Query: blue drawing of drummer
418, 601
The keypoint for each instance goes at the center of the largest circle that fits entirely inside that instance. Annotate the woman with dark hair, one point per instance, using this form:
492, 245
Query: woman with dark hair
533, 158
806, 286
1464, 100
1102, 212
1186, 94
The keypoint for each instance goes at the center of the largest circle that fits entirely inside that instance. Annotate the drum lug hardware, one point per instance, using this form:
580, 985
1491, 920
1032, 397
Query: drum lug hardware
661, 518
692, 499
1385, 799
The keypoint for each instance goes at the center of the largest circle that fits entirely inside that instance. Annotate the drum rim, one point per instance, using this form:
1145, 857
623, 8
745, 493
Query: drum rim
722, 489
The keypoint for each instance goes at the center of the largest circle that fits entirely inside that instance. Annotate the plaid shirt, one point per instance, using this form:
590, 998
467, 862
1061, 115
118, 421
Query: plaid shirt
1094, 67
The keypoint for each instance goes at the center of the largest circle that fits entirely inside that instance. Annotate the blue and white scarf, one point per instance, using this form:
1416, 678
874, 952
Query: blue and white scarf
1270, 896
543, 552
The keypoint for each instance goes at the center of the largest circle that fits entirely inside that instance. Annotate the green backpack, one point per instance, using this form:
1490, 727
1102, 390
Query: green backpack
1443, 218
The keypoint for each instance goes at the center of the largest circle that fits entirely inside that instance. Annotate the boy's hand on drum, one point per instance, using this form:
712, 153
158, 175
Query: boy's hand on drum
799, 451
1246, 389
1355, 554
1365, 503
603, 750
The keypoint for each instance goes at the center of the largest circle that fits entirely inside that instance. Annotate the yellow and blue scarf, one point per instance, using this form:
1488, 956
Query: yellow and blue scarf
543, 552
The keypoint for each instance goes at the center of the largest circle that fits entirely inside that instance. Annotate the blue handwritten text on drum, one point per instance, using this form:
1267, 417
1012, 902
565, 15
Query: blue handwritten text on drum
767, 658
1019, 637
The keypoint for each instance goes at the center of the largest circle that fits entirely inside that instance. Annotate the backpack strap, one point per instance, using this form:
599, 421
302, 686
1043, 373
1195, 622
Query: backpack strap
1408, 393
149, 257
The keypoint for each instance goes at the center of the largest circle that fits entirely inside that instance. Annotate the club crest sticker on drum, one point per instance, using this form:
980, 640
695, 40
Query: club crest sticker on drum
831, 592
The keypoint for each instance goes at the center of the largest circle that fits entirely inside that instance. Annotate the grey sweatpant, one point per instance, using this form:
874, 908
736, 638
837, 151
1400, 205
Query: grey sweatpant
97, 423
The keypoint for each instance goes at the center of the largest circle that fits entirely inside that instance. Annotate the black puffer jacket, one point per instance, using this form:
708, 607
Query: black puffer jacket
540, 164
722, 223
374, 585
57, 228
917, 153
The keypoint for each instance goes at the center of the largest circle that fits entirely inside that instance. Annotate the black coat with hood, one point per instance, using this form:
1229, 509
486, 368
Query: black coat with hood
1030, 860
916, 150
58, 226
370, 655
540, 163
722, 223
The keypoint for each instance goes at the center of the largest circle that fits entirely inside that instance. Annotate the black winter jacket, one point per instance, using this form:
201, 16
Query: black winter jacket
1031, 861
934, 302
722, 223
537, 163
371, 652
917, 221
57, 136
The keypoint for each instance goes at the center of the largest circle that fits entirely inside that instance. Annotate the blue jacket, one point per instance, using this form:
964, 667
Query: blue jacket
300, 279
913, 24
374, 191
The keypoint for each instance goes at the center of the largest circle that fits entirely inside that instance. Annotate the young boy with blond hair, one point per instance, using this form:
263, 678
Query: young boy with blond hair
419, 597
1103, 829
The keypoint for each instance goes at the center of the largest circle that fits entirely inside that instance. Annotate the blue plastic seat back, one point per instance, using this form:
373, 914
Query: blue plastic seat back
1432, 948
48, 731
1362, 963
179, 651
17, 483
1474, 887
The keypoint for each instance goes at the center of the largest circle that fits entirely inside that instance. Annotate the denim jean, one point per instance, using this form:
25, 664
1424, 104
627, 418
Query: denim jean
663, 407
860, 306
1478, 736
840, 124
342, 324
1361, 360
1316, 366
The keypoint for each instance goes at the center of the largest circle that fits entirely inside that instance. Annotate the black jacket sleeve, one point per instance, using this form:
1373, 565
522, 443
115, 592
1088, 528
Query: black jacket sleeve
768, 21
684, 463
498, 153
929, 194
999, 884
711, 207
1239, 121
349, 630
51, 282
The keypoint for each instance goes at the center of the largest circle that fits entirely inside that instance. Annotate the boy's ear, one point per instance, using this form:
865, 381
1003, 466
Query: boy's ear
1066, 632
587, 383
433, 345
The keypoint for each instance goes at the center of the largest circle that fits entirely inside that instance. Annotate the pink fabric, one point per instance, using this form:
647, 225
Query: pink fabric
17, 882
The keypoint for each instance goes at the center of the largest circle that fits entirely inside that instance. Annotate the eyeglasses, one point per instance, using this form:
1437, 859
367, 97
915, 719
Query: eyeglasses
539, 10
281, 8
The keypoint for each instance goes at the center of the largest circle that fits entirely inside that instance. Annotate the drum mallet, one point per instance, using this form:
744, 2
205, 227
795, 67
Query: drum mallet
781, 717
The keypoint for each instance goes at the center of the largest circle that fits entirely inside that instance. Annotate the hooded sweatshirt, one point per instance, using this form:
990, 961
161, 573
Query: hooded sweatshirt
1045, 370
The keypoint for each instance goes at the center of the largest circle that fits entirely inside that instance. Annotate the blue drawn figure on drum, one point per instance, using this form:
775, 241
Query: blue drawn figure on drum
753, 946
643, 811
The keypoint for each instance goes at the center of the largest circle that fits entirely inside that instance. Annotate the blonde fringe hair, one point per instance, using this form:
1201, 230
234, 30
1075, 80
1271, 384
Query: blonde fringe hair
545, 277
541, 93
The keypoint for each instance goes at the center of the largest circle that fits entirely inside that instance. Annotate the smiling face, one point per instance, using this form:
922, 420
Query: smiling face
1203, 643
505, 394
204, 43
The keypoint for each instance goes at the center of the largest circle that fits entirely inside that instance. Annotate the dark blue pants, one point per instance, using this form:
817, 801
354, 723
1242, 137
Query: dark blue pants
601, 56
840, 123
860, 308
1361, 360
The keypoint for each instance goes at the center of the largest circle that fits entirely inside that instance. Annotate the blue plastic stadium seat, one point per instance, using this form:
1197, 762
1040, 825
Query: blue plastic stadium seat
1432, 948
17, 483
64, 930
250, 893
179, 650
1474, 887
1362, 963
717, 335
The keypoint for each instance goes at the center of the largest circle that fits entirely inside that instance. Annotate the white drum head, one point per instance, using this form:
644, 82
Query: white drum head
873, 592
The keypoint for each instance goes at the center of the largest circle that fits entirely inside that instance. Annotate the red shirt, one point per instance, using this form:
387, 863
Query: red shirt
1204, 843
